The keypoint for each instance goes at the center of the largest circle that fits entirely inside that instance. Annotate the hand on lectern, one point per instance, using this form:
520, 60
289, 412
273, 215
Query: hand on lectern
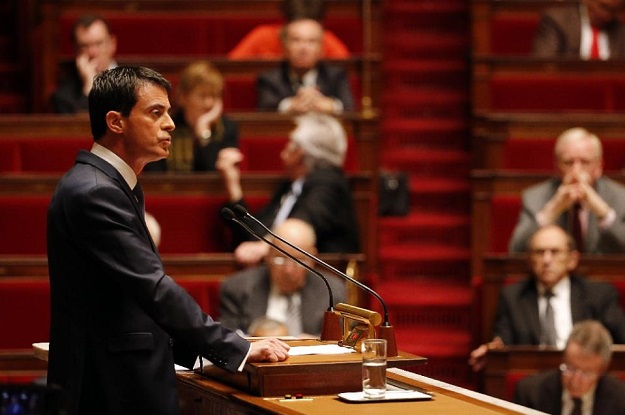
269, 350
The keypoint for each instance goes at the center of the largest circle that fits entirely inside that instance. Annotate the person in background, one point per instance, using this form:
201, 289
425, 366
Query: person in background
202, 130
280, 289
95, 48
581, 386
522, 316
267, 327
588, 205
587, 30
303, 83
265, 41
118, 322
316, 189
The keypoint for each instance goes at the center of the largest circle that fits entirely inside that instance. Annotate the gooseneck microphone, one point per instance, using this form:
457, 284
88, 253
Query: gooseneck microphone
387, 331
330, 328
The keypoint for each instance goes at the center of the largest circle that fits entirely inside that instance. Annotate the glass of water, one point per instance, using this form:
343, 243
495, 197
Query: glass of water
374, 368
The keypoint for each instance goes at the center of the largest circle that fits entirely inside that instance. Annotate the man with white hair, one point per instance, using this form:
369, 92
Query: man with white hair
316, 191
580, 200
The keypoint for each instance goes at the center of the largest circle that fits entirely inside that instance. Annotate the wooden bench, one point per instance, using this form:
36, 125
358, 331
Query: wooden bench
492, 133
20, 136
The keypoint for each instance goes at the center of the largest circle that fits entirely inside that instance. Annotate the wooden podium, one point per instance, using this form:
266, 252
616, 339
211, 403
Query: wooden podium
307, 374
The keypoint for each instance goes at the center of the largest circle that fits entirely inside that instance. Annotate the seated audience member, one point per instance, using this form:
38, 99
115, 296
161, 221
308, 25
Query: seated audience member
316, 191
581, 385
265, 41
542, 309
267, 327
580, 200
201, 129
280, 289
95, 48
587, 30
303, 83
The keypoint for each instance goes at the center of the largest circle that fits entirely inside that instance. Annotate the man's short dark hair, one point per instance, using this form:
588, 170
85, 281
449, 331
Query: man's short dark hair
116, 90
303, 9
85, 21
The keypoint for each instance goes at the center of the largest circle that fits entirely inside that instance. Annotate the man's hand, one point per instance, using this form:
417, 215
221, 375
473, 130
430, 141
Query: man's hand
87, 70
250, 253
228, 160
477, 358
269, 350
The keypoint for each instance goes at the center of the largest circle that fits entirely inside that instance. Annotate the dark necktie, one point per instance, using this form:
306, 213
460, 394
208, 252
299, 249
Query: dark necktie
576, 227
577, 406
293, 317
548, 329
138, 192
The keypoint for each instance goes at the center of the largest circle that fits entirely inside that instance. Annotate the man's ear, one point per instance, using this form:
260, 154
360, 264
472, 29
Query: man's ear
115, 122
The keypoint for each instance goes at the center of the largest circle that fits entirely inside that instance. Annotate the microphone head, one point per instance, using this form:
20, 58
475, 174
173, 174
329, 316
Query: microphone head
227, 214
240, 211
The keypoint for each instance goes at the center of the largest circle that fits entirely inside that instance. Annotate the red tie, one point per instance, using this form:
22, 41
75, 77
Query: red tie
594, 45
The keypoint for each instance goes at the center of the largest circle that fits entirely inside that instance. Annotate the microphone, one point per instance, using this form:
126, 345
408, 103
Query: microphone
386, 330
330, 329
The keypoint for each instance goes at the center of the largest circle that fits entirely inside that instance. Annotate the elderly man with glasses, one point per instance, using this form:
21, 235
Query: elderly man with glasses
581, 386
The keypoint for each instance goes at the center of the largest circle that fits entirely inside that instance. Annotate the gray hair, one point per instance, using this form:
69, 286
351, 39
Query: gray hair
322, 139
593, 338
575, 135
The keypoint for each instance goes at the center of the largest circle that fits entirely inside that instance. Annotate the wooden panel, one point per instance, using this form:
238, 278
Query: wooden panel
492, 132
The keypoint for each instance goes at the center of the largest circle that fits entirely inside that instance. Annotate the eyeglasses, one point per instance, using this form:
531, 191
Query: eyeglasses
571, 371
553, 252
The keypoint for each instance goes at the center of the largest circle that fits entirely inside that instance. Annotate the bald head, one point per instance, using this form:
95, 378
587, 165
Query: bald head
298, 232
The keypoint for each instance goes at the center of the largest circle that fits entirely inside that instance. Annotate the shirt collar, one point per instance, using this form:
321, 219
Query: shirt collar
120, 165
563, 286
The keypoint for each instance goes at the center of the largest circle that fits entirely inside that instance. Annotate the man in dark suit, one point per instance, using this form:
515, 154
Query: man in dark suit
118, 323
95, 48
589, 30
581, 386
302, 83
581, 200
522, 309
316, 191
270, 289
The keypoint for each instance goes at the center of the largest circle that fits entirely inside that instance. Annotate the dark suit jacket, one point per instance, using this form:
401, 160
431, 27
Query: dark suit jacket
243, 298
68, 97
115, 315
543, 392
325, 203
596, 241
560, 34
275, 85
517, 321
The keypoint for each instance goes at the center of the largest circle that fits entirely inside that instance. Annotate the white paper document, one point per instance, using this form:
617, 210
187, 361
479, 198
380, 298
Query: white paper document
321, 349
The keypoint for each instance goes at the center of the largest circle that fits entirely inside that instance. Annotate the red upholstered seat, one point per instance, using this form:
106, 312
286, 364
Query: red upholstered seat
513, 34
504, 215
205, 292
536, 92
23, 224
9, 156
51, 155
25, 311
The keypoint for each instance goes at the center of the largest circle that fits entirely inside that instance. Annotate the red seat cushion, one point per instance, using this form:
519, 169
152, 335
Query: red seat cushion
504, 216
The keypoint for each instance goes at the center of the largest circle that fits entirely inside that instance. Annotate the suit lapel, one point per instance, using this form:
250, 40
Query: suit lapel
86, 157
529, 308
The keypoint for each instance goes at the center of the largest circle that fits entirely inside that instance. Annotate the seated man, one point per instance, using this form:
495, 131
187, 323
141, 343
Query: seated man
590, 30
265, 41
590, 206
95, 48
280, 289
542, 309
316, 191
303, 83
581, 385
